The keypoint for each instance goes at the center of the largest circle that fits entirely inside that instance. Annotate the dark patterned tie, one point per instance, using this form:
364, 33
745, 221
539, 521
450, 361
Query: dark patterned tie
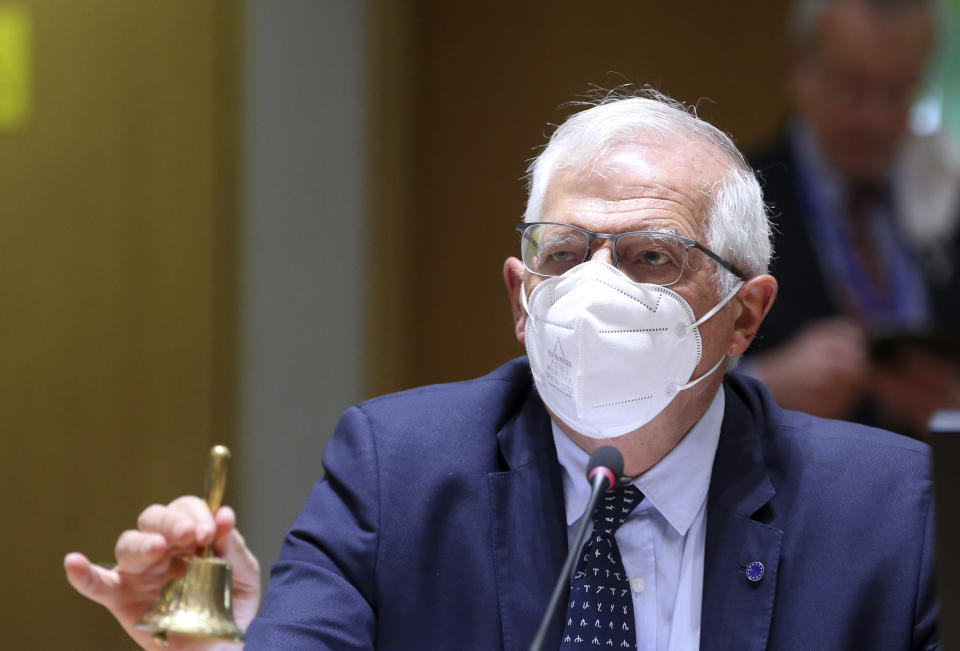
600, 607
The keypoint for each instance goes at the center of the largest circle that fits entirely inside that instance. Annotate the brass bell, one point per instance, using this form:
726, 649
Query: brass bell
201, 603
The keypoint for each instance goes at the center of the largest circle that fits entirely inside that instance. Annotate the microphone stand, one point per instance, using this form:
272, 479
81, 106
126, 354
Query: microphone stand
599, 485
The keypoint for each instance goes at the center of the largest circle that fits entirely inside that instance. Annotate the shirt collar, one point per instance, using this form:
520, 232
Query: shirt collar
676, 486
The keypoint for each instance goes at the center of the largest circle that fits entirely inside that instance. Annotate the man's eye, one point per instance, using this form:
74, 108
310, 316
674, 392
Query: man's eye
653, 258
560, 256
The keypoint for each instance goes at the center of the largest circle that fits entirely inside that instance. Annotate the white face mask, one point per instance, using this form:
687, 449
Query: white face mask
609, 354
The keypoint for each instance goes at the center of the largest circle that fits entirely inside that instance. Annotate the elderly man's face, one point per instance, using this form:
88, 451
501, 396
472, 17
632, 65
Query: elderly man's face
660, 186
855, 83
653, 186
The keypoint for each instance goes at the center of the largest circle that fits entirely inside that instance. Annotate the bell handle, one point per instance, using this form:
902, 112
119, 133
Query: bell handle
216, 481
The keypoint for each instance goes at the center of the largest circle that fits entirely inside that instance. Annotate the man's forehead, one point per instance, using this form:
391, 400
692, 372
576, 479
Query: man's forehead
668, 169
671, 158
635, 189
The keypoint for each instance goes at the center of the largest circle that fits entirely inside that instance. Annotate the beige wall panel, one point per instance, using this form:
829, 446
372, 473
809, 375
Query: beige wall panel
116, 242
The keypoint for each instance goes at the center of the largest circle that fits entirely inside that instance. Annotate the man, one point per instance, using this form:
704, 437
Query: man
446, 511
866, 216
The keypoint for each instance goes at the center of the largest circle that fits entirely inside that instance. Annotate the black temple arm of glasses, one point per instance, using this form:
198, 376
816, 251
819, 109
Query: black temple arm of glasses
522, 228
729, 266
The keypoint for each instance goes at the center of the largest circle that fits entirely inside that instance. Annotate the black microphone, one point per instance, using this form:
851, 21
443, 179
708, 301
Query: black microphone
603, 471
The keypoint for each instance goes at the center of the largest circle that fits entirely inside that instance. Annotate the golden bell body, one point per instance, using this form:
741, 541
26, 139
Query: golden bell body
198, 605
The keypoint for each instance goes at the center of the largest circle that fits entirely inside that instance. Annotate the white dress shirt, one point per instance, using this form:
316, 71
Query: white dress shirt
662, 541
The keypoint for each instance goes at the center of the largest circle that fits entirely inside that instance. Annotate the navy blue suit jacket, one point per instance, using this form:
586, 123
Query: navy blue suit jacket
440, 525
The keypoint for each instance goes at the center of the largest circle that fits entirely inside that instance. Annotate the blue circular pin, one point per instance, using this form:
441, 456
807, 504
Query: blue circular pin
755, 571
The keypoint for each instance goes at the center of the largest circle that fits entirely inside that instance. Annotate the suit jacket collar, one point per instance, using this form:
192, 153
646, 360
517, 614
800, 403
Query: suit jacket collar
737, 609
529, 529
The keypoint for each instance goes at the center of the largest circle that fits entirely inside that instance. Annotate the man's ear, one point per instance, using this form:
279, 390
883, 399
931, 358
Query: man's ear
755, 299
513, 273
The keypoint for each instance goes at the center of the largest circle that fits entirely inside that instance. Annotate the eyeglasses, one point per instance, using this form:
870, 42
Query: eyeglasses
551, 249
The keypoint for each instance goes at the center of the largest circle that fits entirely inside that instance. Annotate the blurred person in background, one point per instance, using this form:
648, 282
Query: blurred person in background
865, 215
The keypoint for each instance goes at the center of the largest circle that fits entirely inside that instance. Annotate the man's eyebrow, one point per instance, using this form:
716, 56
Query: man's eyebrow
670, 230
561, 237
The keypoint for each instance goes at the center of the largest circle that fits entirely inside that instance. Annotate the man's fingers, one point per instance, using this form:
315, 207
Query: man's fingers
197, 509
184, 522
843, 327
92, 582
231, 546
138, 550
176, 527
225, 521
236, 552
246, 577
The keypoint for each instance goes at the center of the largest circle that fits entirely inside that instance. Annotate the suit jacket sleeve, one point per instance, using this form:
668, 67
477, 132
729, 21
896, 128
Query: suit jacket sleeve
927, 615
321, 592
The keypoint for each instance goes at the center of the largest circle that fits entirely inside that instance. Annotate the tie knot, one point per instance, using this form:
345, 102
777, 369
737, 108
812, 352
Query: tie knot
614, 507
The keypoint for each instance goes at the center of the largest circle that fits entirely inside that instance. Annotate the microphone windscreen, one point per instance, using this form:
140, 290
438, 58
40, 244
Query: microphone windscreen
606, 456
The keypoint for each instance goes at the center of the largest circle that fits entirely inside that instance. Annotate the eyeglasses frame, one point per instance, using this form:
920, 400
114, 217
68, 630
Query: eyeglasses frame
613, 237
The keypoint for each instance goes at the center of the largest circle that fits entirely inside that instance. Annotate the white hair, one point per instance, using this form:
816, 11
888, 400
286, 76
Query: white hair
736, 226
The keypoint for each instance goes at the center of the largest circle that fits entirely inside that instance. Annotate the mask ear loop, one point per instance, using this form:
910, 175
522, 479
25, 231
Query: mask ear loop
719, 306
523, 300
673, 389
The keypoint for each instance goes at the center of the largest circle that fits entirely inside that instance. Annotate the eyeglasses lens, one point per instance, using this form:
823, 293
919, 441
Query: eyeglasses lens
552, 250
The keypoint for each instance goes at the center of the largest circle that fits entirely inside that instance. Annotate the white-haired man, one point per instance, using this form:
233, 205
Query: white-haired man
445, 512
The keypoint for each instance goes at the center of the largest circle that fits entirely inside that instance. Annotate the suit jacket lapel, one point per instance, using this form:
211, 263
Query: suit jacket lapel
529, 529
737, 610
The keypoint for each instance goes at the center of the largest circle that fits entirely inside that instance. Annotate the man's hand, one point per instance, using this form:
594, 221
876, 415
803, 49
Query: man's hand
915, 384
149, 555
823, 370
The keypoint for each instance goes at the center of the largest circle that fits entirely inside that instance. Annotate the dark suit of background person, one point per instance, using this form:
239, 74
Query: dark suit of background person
809, 293
440, 525
851, 71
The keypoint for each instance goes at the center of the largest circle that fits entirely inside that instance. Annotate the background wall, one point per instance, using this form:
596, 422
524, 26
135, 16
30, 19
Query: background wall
117, 230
